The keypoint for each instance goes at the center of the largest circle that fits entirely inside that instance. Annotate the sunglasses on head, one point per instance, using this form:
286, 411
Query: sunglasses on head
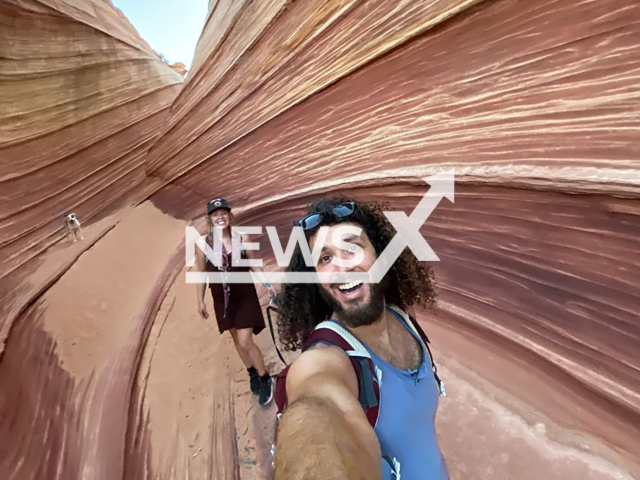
341, 210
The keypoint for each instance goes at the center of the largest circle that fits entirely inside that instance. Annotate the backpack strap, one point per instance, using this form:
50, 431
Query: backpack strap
417, 329
335, 334
332, 333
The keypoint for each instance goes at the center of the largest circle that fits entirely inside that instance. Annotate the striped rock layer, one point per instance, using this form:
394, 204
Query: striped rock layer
106, 369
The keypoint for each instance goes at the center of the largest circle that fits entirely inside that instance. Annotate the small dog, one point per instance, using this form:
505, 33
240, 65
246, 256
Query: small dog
72, 225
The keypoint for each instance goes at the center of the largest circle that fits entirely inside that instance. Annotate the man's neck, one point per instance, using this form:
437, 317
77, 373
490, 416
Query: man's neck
390, 341
375, 332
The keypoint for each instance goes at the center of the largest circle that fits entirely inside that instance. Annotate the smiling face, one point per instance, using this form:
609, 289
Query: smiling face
220, 218
355, 303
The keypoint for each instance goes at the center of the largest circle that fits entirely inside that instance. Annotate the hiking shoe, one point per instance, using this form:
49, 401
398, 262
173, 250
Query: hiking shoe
254, 380
266, 390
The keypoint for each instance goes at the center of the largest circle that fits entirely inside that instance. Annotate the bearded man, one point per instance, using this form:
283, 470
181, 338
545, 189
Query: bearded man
327, 430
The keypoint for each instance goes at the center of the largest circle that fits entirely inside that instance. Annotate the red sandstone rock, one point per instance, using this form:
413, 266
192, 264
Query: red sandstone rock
82, 98
108, 372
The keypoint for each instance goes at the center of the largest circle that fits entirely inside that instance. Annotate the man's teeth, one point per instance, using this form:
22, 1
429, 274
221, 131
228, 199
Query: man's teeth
347, 286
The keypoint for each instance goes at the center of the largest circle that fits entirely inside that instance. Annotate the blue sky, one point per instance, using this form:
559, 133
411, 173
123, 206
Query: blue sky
171, 27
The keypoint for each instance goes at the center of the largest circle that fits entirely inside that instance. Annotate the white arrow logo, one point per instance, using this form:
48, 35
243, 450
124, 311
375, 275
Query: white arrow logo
408, 228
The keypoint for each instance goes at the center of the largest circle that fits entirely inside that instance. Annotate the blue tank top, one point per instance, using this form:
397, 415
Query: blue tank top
406, 420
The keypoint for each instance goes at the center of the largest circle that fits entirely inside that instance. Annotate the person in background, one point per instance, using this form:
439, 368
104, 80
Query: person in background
236, 305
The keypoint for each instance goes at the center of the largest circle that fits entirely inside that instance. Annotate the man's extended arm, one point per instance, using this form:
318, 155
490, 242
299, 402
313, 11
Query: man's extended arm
324, 433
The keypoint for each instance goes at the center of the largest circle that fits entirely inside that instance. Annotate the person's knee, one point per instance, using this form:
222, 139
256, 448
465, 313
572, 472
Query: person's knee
245, 341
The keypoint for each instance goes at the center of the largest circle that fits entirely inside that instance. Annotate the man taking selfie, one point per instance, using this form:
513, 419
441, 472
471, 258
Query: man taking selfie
360, 401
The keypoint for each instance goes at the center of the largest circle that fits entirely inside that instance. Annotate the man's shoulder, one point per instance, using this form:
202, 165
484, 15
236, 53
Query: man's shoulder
320, 357
322, 360
322, 368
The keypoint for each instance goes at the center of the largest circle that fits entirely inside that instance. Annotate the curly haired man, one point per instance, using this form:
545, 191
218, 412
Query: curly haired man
334, 426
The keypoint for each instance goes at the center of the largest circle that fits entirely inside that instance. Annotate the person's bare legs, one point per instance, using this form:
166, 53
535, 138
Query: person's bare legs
248, 350
244, 355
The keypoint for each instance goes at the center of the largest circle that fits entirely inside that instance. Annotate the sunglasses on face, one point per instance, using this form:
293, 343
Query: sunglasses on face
341, 210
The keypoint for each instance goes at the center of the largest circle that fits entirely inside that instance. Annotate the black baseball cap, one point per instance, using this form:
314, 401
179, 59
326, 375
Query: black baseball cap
217, 203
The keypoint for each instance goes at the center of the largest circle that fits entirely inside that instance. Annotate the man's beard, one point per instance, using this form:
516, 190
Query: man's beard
361, 314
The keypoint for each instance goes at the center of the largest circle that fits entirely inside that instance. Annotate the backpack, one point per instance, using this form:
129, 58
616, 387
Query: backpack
331, 333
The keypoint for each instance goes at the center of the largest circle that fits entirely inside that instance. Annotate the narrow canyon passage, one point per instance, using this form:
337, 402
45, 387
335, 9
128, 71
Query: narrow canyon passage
107, 372
139, 385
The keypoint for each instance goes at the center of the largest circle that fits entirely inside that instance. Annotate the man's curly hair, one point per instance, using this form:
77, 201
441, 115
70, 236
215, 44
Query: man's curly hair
301, 307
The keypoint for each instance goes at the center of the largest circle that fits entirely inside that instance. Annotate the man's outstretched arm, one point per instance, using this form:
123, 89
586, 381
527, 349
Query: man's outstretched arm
324, 433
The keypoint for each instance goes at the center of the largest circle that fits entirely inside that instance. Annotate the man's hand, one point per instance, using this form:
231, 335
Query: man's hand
202, 309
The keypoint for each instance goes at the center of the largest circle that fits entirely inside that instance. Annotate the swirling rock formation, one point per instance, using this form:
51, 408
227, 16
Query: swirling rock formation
82, 98
529, 103
535, 106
